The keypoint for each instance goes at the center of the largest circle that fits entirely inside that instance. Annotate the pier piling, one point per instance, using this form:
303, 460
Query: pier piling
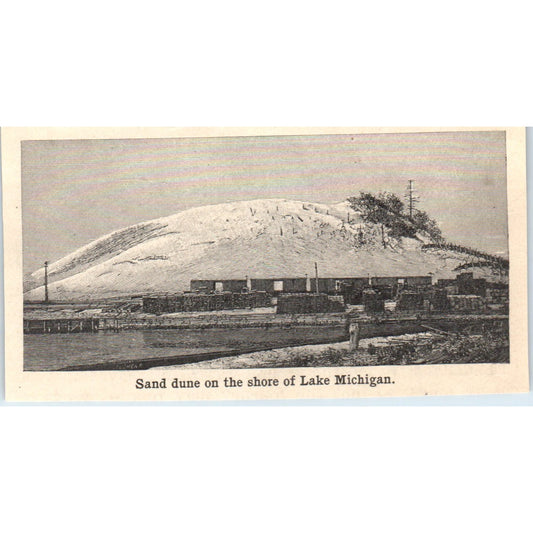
355, 332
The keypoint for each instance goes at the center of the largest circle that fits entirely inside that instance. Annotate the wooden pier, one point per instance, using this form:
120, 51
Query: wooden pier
358, 327
63, 325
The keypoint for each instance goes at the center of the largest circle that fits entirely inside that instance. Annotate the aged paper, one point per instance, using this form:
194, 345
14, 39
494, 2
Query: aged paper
263, 263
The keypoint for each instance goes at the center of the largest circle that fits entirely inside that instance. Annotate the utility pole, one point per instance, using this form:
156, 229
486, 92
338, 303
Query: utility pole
411, 197
316, 276
46, 282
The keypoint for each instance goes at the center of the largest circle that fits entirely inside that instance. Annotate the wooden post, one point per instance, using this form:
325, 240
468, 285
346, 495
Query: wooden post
316, 277
46, 282
355, 332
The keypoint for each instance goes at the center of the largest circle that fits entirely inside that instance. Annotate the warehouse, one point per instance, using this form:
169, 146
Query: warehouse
280, 285
338, 285
349, 287
352, 289
222, 285
416, 281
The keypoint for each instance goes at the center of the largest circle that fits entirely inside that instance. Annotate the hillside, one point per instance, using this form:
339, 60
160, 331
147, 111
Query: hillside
257, 238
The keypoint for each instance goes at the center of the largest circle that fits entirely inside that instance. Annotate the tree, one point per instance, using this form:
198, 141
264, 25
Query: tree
422, 221
388, 211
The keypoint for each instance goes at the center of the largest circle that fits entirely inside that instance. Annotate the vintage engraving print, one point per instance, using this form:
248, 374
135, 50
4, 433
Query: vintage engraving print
185, 264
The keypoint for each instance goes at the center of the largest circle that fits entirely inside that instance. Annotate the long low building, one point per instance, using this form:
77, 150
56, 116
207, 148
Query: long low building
350, 287
216, 285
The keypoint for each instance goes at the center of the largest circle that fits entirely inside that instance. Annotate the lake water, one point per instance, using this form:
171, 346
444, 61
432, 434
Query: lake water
61, 350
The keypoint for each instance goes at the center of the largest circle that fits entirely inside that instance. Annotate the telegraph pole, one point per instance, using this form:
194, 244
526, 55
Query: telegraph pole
46, 282
411, 197
316, 276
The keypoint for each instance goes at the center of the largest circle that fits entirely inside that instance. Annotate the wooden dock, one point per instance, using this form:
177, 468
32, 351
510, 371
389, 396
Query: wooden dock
368, 326
63, 325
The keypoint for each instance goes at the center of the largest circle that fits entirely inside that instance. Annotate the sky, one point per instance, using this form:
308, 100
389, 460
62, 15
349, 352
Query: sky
74, 191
